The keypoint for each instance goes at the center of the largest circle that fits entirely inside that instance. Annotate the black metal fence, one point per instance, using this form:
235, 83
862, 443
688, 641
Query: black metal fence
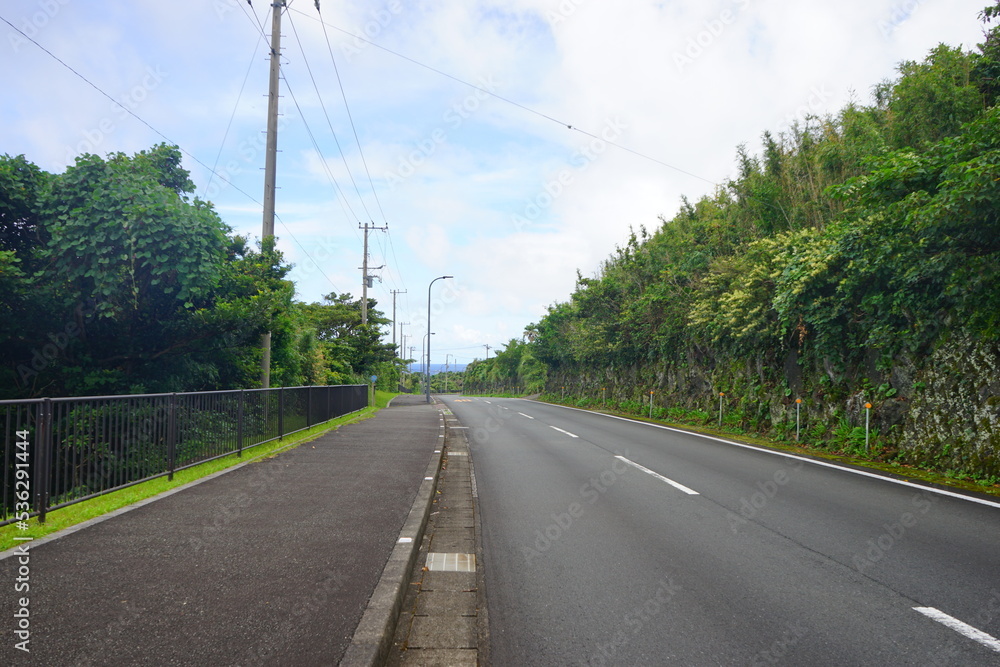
58, 451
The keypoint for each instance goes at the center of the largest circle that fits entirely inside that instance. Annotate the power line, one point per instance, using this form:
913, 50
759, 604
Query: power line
162, 136
565, 124
233, 115
361, 152
343, 155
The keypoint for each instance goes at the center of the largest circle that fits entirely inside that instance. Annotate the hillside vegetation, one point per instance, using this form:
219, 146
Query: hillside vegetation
854, 259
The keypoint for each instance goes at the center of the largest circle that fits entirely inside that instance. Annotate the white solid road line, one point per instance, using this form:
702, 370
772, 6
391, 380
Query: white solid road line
676, 485
958, 626
772, 452
572, 435
524, 415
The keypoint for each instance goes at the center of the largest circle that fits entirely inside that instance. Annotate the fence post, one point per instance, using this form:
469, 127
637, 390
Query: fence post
45, 463
309, 404
171, 435
281, 413
239, 425
868, 414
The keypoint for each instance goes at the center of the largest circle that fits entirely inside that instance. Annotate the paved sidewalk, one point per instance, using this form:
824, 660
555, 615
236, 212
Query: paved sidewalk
271, 564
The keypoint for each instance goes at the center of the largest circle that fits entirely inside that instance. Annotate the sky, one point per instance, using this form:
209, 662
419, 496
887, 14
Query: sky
507, 144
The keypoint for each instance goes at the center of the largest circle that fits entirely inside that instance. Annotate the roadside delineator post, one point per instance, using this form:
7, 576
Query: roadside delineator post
721, 396
604, 397
798, 421
650, 404
868, 414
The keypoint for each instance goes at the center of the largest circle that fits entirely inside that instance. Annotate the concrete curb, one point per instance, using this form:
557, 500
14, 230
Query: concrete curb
373, 637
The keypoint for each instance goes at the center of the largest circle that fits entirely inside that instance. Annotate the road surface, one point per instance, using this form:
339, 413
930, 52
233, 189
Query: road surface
609, 541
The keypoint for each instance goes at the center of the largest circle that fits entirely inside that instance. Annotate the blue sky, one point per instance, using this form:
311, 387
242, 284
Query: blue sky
508, 201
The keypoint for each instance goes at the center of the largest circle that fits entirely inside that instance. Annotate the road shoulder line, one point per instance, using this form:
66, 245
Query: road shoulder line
797, 457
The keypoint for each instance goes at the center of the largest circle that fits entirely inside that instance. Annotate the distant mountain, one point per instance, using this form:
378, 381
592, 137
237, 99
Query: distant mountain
440, 368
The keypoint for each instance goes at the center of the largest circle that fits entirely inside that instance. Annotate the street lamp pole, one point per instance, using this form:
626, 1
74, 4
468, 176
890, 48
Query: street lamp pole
428, 329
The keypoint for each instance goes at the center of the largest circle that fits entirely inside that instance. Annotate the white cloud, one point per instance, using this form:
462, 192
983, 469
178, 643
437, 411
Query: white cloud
475, 164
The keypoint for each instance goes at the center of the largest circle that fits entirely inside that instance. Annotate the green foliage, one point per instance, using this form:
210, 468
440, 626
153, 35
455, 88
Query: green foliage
854, 245
515, 369
932, 99
115, 280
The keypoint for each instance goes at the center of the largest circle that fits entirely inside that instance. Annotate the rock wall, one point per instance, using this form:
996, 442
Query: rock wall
941, 411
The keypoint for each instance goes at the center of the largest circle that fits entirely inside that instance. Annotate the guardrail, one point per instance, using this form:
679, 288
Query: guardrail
59, 451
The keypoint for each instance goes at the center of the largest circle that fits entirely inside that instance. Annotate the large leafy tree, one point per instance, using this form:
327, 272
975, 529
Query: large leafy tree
117, 280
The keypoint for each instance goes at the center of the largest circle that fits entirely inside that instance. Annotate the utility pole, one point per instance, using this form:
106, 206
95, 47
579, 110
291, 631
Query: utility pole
366, 280
394, 293
447, 369
271, 164
488, 348
402, 344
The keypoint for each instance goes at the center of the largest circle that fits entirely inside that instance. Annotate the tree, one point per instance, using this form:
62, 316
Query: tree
119, 281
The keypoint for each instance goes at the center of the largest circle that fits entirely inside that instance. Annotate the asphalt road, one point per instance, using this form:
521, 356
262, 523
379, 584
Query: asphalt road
608, 541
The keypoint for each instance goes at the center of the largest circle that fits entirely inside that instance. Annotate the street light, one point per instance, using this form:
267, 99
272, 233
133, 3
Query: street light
428, 329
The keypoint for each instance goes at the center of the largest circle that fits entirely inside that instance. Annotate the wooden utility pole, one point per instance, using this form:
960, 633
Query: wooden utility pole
394, 293
402, 340
271, 164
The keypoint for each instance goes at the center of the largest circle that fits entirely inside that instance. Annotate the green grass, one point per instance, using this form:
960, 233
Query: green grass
71, 515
